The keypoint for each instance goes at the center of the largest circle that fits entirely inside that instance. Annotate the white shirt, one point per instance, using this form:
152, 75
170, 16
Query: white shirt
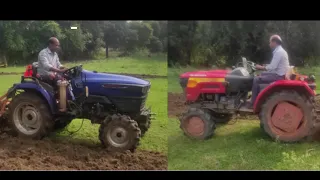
47, 60
280, 62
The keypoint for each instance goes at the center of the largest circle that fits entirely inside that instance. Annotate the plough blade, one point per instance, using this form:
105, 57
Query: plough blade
4, 102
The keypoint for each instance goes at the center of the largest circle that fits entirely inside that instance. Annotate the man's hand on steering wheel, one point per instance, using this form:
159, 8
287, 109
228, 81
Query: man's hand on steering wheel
259, 67
63, 68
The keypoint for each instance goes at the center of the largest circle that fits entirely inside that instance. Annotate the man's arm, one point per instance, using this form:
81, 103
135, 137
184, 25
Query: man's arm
45, 63
60, 66
274, 62
273, 65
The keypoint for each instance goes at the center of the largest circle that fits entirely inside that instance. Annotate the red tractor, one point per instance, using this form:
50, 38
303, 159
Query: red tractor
285, 108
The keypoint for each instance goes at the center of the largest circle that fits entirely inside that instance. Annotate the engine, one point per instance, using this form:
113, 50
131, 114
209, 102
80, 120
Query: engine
109, 94
222, 90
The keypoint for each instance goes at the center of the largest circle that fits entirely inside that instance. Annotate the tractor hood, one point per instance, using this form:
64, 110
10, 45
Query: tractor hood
209, 73
106, 78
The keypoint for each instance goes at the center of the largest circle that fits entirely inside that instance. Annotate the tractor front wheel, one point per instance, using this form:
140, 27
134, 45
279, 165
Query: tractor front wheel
144, 122
119, 133
197, 124
29, 116
288, 116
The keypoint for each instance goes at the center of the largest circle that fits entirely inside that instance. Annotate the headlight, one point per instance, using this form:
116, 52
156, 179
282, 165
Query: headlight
145, 89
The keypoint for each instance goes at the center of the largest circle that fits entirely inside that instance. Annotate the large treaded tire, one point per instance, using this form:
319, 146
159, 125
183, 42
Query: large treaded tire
207, 120
120, 121
45, 116
307, 128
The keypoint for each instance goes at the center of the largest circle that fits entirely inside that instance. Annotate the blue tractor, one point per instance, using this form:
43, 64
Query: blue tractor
116, 102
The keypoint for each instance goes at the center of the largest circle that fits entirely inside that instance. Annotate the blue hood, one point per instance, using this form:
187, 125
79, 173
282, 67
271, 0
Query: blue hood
134, 87
91, 76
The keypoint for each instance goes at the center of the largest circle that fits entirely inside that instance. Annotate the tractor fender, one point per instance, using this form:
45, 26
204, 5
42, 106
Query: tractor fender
34, 87
300, 86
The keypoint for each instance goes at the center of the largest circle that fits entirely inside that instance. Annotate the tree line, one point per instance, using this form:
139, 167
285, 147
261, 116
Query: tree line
222, 43
21, 41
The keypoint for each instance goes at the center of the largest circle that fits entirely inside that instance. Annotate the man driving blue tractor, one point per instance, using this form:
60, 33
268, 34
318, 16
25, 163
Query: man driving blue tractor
115, 102
49, 66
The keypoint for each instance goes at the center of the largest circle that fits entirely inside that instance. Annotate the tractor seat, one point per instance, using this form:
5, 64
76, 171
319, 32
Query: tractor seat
35, 70
35, 74
290, 75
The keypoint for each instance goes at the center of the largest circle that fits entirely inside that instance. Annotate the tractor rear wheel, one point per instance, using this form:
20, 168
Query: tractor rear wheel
29, 116
119, 133
198, 124
288, 116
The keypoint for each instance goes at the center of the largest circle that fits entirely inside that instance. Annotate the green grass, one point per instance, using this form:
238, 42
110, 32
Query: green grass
156, 65
241, 146
156, 137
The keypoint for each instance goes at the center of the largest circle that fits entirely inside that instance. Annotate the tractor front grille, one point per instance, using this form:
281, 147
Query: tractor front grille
145, 91
143, 103
129, 105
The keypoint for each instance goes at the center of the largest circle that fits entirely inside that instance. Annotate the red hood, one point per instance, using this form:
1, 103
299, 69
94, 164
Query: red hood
209, 74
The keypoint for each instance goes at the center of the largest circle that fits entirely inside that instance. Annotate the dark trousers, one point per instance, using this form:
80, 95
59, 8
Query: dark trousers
51, 78
264, 78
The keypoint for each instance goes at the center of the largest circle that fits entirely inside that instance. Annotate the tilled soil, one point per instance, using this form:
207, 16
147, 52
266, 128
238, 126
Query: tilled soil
18, 154
133, 75
176, 104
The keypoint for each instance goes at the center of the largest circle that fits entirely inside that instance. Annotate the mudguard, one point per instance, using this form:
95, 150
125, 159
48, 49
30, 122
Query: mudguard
281, 84
33, 86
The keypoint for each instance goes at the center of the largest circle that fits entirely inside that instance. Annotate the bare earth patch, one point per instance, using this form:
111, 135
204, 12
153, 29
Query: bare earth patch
18, 154
176, 105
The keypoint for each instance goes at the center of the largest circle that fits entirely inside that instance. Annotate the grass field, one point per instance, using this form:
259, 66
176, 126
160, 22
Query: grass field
136, 64
156, 138
239, 146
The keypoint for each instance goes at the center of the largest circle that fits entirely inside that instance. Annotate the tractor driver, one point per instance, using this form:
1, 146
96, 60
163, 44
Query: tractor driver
49, 66
276, 70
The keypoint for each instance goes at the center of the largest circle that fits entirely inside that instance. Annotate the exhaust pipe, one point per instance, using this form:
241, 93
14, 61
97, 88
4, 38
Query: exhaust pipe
62, 95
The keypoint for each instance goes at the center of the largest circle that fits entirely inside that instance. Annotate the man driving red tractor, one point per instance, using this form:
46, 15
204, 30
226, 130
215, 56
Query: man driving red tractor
282, 99
276, 70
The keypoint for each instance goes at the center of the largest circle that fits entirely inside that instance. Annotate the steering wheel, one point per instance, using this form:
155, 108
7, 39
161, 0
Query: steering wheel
250, 63
72, 72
